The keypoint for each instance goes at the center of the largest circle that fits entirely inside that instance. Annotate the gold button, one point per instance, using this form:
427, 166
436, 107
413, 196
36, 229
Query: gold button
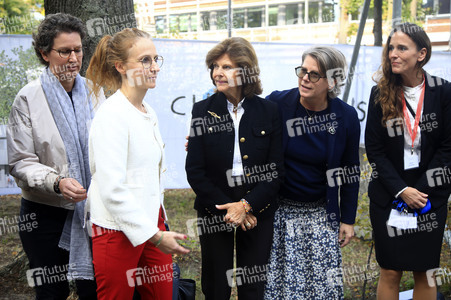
263, 132
248, 174
210, 129
245, 157
242, 140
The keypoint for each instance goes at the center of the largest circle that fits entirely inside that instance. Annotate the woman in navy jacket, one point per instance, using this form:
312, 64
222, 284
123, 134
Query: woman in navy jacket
234, 165
413, 164
318, 199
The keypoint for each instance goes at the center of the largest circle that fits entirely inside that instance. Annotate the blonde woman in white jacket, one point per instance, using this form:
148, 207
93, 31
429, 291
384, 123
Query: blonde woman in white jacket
125, 200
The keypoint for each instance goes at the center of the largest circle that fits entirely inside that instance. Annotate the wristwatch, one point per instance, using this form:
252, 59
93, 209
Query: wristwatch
56, 184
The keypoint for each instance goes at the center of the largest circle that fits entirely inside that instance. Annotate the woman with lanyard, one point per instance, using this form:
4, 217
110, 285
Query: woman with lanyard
409, 142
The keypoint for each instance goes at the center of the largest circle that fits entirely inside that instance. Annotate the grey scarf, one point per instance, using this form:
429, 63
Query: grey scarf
72, 121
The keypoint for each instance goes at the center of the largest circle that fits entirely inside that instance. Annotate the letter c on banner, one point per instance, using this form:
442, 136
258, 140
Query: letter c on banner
172, 105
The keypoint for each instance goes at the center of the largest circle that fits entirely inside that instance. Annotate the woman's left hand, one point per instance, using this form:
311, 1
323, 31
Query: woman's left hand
235, 213
346, 233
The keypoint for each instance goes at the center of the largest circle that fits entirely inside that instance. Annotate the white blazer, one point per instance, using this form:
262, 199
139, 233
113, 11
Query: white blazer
126, 159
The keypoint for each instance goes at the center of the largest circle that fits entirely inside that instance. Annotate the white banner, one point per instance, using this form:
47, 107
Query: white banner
185, 79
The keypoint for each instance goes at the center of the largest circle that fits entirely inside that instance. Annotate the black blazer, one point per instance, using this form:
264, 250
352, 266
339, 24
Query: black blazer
210, 154
386, 150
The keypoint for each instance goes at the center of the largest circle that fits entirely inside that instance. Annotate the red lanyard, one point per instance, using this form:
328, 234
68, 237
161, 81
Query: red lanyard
417, 116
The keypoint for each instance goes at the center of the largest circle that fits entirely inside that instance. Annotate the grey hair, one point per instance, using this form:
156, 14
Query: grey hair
331, 63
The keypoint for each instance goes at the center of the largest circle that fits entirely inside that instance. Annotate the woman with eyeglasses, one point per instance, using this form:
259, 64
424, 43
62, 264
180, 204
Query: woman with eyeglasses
318, 198
47, 137
131, 247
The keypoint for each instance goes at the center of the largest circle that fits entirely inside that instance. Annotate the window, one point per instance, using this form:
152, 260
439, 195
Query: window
328, 13
160, 23
313, 12
221, 19
238, 18
174, 23
292, 14
272, 12
205, 19
254, 16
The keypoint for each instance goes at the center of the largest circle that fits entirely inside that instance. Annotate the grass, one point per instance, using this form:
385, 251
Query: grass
179, 207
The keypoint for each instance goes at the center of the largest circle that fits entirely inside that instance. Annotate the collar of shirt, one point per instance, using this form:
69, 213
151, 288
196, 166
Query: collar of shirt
232, 108
237, 165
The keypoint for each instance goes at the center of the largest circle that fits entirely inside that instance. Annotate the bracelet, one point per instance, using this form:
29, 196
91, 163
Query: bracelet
244, 202
159, 241
56, 184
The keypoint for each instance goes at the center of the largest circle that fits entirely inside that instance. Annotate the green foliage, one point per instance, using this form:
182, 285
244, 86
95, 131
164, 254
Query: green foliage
15, 74
362, 227
18, 16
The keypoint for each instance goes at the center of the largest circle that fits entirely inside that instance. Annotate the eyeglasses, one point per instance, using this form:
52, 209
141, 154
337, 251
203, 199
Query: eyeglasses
312, 76
66, 53
147, 61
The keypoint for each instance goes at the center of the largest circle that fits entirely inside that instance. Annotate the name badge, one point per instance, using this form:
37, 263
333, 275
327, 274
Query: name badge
402, 220
411, 161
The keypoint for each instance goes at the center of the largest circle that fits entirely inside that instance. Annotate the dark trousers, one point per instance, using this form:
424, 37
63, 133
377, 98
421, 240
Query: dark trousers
253, 247
48, 262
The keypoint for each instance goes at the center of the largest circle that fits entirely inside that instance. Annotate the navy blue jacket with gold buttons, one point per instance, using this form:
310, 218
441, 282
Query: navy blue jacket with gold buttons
210, 154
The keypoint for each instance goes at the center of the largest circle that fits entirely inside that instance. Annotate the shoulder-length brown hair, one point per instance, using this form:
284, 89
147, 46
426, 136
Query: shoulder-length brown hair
241, 52
390, 84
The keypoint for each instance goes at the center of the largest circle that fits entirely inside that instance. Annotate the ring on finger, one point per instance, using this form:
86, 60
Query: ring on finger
71, 198
248, 224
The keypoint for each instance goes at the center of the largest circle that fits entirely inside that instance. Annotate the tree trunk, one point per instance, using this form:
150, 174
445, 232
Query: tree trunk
413, 10
377, 27
101, 17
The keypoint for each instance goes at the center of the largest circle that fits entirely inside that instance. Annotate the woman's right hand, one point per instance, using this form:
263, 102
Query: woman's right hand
250, 221
414, 198
168, 243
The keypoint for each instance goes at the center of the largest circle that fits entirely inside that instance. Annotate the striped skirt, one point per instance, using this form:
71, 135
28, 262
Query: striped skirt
305, 261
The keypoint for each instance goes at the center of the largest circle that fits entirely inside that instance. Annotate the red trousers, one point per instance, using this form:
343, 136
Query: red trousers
119, 267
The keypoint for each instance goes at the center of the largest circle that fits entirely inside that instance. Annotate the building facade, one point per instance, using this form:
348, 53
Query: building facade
306, 21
